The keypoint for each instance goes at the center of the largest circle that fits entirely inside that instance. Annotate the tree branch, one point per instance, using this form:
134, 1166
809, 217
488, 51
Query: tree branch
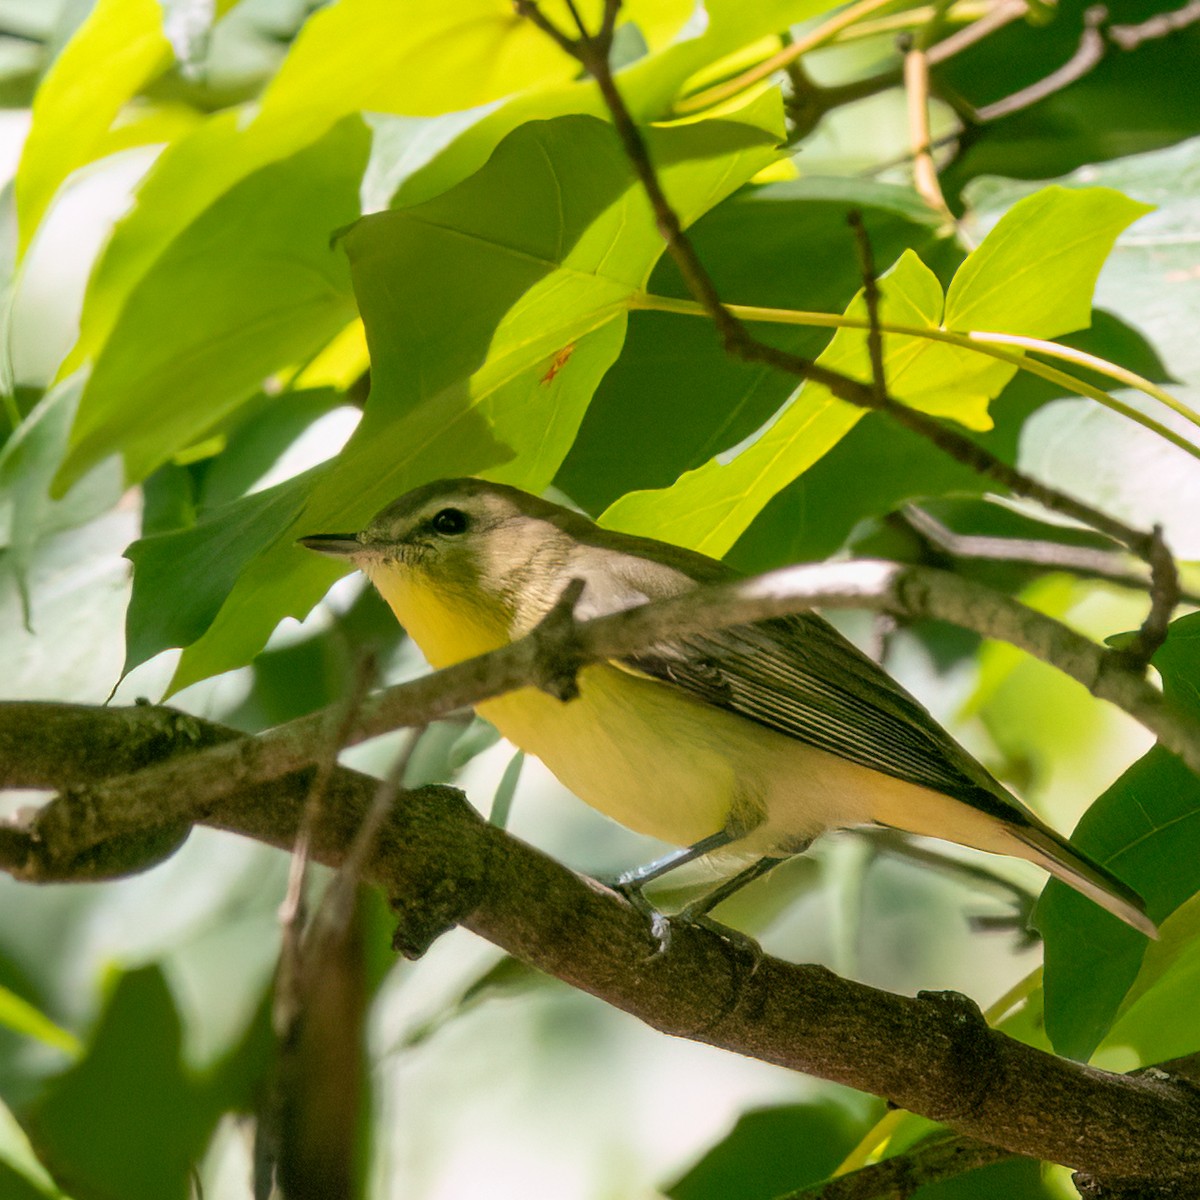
185, 789
592, 54
441, 864
897, 1178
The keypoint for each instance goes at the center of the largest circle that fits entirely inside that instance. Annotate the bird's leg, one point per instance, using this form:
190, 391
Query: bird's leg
631, 883
698, 910
697, 913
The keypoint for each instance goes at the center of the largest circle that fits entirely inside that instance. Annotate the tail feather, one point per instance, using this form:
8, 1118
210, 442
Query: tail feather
1076, 870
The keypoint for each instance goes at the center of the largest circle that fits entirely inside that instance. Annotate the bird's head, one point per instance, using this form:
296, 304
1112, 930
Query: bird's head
482, 544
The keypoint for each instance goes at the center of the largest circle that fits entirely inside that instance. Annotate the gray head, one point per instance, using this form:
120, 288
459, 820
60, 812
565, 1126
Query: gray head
461, 531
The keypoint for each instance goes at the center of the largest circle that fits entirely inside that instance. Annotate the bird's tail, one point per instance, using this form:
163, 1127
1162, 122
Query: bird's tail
1063, 861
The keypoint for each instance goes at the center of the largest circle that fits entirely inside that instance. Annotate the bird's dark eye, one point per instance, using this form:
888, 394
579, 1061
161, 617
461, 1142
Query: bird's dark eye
450, 521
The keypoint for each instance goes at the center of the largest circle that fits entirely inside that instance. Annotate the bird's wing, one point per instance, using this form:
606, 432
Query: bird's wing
798, 676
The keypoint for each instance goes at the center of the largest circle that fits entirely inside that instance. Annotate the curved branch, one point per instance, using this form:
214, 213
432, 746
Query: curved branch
441, 864
898, 1177
184, 789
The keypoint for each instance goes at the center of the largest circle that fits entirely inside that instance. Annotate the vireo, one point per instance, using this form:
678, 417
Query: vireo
751, 740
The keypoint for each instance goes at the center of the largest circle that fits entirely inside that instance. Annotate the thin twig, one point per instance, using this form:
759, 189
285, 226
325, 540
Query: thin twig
1165, 594
904, 846
288, 1000
739, 342
1048, 556
916, 89
337, 905
291, 914
1130, 37
866, 257
781, 59
1087, 54
898, 1177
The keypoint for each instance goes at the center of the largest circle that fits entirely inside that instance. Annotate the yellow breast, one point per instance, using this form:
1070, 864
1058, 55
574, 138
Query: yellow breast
645, 754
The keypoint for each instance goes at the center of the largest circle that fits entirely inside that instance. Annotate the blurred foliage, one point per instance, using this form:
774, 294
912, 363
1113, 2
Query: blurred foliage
268, 263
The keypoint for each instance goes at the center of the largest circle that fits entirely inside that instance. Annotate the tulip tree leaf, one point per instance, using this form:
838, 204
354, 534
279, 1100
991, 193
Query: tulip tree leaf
115, 51
1146, 828
1058, 234
491, 314
708, 509
999, 287
252, 286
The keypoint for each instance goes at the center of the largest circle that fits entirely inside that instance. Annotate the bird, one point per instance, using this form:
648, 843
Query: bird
745, 742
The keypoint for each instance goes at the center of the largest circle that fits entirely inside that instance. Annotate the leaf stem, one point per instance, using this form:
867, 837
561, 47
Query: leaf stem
777, 61
981, 342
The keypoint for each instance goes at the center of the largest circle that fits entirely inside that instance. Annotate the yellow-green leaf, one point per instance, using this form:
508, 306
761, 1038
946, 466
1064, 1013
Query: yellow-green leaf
116, 50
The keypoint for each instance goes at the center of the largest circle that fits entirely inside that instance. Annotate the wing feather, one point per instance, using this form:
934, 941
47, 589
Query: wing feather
798, 676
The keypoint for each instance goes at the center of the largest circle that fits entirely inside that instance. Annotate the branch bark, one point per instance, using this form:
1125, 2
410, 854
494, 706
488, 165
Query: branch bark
441, 864
185, 789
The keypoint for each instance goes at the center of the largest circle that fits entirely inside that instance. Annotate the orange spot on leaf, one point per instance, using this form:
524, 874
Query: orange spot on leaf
560, 360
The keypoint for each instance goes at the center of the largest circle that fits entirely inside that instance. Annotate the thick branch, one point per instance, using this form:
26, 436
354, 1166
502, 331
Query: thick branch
185, 789
442, 864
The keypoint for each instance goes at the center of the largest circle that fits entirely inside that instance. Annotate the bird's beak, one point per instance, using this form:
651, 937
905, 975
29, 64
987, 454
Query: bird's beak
336, 545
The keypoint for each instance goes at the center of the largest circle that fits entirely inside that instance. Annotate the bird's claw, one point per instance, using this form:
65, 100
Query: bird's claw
660, 923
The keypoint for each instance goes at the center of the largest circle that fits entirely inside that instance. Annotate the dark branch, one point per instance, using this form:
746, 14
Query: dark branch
441, 864
866, 257
184, 790
1087, 54
1050, 556
899, 1177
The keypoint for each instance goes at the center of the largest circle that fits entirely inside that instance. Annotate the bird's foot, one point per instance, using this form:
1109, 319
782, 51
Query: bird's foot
742, 943
660, 923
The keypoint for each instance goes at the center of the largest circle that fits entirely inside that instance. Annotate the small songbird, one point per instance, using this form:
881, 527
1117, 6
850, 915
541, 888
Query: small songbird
749, 740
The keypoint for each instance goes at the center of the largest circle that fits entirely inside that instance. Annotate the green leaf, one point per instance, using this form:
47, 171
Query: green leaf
22, 1176
126, 1121
28, 461
118, 48
1146, 828
1149, 280
709, 508
1035, 272
1129, 472
491, 313
673, 372
814, 517
772, 1151
405, 56
182, 577
649, 87
22, 1017
252, 286
1157, 1018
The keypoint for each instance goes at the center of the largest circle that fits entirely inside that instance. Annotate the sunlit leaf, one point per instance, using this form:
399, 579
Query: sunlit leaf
22, 1017
1146, 828
117, 49
649, 87
709, 508
22, 1175
252, 286
674, 373
1158, 1015
1035, 272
